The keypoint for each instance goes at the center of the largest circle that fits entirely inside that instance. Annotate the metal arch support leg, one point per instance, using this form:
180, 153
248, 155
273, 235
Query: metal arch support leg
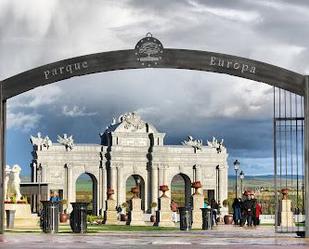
2, 156
306, 152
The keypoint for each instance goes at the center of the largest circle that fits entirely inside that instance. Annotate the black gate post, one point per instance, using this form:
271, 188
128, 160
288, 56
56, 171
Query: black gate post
306, 145
2, 155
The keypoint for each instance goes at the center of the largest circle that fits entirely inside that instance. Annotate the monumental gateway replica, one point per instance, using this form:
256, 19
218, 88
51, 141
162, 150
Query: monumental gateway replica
129, 147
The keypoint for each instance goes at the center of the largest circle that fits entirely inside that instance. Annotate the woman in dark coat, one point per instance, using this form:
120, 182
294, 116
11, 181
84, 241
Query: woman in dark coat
237, 211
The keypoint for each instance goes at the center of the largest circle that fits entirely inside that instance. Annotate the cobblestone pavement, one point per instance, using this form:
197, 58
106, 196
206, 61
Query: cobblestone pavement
221, 237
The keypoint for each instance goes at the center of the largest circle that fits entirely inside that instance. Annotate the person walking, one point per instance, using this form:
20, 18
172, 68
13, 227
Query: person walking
248, 210
174, 208
237, 211
254, 201
214, 206
258, 212
55, 197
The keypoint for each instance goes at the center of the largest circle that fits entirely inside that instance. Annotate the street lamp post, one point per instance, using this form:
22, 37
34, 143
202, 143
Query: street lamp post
236, 168
241, 176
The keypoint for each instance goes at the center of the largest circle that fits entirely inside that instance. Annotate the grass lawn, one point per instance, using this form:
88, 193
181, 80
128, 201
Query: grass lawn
99, 228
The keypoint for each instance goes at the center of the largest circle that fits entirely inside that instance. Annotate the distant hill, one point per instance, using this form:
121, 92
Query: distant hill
265, 181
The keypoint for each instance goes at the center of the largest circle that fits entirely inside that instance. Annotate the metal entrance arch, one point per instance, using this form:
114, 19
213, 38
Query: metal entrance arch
150, 53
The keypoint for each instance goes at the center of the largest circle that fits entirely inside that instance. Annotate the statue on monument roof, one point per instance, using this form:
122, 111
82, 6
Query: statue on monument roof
195, 143
41, 142
68, 142
131, 119
216, 144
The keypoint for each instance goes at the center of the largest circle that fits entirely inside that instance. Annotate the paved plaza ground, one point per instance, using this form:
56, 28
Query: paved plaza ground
220, 237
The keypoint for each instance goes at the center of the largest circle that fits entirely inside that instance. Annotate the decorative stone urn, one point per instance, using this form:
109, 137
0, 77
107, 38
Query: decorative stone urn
196, 185
135, 192
284, 193
110, 193
228, 219
164, 188
64, 217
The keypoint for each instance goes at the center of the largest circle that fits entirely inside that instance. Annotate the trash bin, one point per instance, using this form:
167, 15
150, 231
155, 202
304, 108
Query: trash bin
10, 216
207, 218
78, 217
185, 218
49, 219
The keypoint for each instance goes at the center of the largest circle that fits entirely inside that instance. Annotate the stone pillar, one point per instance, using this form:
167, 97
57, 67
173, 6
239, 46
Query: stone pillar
70, 187
120, 188
43, 173
100, 189
286, 215
198, 176
136, 214
306, 152
198, 203
154, 184
164, 214
113, 181
223, 184
34, 173
110, 215
161, 180
165, 181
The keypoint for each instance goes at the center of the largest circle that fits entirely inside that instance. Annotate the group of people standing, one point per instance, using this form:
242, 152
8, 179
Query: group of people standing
247, 210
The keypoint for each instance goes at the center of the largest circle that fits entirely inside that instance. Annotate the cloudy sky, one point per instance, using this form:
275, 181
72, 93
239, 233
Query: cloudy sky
178, 102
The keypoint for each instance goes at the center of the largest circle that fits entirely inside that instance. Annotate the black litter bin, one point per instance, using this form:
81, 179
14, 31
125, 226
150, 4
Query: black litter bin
49, 219
207, 218
78, 217
185, 218
10, 216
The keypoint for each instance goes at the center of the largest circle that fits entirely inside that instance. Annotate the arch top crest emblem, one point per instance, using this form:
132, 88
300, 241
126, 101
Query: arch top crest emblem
149, 51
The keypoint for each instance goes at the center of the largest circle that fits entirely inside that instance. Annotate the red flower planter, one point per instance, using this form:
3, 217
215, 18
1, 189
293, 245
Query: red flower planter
196, 185
64, 217
164, 188
110, 192
135, 192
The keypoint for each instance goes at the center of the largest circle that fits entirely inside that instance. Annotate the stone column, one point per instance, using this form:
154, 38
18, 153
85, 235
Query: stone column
164, 214
198, 203
113, 179
154, 184
286, 215
120, 188
43, 173
70, 187
165, 181
104, 187
100, 190
198, 176
223, 187
34, 173
136, 215
161, 180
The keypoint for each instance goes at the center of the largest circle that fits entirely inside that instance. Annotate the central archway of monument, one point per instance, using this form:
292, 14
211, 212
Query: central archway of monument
86, 191
181, 190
